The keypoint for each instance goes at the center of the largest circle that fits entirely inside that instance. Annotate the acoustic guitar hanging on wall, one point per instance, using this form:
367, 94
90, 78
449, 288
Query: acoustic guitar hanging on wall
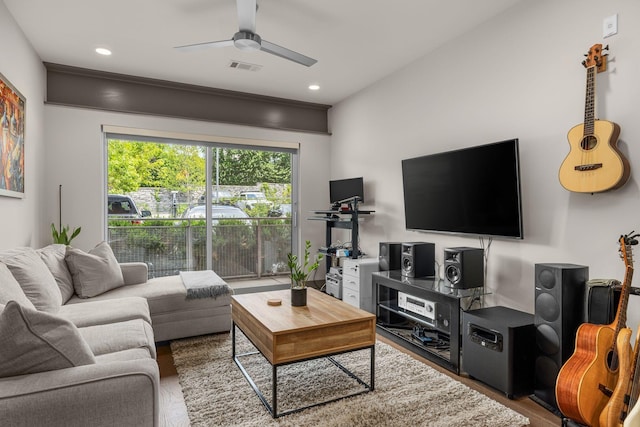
594, 163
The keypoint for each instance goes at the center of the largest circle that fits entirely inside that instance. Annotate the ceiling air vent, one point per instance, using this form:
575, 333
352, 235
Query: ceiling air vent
244, 66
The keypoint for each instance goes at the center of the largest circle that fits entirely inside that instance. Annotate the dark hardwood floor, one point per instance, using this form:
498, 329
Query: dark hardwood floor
173, 411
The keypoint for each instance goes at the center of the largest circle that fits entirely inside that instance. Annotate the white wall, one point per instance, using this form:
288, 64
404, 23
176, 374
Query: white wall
20, 218
76, 161
517, 76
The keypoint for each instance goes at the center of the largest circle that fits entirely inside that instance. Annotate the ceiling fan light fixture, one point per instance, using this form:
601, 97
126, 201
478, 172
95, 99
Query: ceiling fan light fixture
244, 40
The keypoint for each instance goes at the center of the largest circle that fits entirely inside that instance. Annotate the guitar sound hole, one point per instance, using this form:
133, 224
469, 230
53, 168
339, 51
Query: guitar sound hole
588, 142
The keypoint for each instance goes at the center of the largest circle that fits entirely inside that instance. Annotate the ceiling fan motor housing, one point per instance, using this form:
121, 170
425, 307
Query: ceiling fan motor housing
245, 40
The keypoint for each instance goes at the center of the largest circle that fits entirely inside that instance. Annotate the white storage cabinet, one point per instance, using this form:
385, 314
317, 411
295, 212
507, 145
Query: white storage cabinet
357, 288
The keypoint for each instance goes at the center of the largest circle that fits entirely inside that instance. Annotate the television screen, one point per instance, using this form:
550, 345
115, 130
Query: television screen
474, 190
342, 190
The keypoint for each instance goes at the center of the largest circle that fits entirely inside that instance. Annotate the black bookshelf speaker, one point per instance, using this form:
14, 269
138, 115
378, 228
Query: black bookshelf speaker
390, 256
464, 267
418, 259
559, 310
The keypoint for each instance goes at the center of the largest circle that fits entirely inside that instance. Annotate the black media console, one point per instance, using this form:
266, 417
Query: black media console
422, 315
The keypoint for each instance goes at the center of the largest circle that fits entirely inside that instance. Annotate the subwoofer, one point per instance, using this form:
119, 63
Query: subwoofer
559, 310
498, 348
390, 256
418, 259
464, 267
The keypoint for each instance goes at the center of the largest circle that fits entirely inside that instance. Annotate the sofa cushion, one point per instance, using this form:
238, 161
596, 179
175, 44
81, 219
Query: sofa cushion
34, 278
10, 289
53, 256
124, 355
35, 341
91, 313
172, 314
115, 337
94, 272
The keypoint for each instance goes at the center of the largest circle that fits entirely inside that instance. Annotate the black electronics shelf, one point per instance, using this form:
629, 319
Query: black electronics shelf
422, 315
345, 219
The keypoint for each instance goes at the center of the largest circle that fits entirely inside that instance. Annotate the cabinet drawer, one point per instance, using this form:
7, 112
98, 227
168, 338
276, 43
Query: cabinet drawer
350, 282
350, 268
351, 297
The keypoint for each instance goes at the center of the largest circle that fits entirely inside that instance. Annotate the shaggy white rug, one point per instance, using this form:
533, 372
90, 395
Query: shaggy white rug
407, 392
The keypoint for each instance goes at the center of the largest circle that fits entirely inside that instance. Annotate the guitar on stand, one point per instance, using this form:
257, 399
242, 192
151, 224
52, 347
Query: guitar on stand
594, 163
588, 378
633, 419
615, 411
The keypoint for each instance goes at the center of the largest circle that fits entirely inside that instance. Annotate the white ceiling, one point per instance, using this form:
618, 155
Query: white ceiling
356, 42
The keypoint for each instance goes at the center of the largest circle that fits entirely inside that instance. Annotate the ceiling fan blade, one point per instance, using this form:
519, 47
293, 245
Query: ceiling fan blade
247, 15
205, 45
285, 53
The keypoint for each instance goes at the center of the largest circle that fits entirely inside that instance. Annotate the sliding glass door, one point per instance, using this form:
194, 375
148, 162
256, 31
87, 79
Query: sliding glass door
184, 205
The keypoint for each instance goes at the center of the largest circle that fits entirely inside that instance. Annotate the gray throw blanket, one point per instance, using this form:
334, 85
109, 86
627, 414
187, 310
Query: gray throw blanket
204, 284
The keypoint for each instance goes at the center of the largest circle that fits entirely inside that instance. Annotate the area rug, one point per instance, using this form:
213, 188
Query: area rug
407, 392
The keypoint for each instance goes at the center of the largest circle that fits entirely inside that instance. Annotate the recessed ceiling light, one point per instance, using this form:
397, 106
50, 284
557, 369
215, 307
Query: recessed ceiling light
314, 87
103, 51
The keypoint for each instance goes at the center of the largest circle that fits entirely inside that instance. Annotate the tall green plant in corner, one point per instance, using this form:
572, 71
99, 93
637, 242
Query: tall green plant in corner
300, 272
61, 234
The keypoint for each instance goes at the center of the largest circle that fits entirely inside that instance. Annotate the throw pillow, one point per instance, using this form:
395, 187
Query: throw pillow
95, 272
10, 289
34, 278
53, 256
34, 341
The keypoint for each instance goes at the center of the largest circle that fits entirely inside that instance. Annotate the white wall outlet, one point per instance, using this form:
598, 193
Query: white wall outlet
610, 26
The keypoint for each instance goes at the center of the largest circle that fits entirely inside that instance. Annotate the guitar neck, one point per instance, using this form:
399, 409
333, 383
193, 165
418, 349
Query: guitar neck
590, 101
621, 314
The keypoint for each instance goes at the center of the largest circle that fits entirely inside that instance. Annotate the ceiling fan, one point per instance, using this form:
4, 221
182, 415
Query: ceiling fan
247, 39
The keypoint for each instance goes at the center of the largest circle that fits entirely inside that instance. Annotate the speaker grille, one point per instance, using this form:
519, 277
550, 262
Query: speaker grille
452, 274
547, 307
559, 308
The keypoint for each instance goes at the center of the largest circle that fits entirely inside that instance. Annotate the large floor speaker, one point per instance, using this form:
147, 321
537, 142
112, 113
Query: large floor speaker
464, 267
390, 256
498, 346
418, 259
559, 310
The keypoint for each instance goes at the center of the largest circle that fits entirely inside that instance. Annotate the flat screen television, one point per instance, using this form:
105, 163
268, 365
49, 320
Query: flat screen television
473, 190
342, 190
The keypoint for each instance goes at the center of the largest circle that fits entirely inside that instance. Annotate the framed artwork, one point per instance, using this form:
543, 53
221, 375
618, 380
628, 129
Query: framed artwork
11, 140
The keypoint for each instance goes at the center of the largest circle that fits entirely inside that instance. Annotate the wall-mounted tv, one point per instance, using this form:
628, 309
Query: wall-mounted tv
343, 190
473, 190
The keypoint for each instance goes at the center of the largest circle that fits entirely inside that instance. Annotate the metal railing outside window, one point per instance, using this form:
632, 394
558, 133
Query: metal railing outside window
241, 248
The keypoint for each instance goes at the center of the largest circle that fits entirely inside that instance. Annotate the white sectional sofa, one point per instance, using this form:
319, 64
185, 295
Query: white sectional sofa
78, 333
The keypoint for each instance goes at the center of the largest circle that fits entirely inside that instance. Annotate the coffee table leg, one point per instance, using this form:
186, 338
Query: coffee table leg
274, 390
233, 340
373, 368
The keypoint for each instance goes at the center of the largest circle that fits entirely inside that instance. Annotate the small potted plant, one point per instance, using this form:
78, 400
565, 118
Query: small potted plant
300, 274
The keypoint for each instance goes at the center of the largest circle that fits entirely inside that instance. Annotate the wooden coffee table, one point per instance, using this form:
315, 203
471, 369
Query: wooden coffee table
284, 334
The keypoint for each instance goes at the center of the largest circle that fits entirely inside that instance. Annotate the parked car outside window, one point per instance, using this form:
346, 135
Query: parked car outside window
123, 207
219, 197
249, 199
217, 211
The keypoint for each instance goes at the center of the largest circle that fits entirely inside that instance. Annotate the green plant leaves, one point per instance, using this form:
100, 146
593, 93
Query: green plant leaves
63, 236
300, 273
